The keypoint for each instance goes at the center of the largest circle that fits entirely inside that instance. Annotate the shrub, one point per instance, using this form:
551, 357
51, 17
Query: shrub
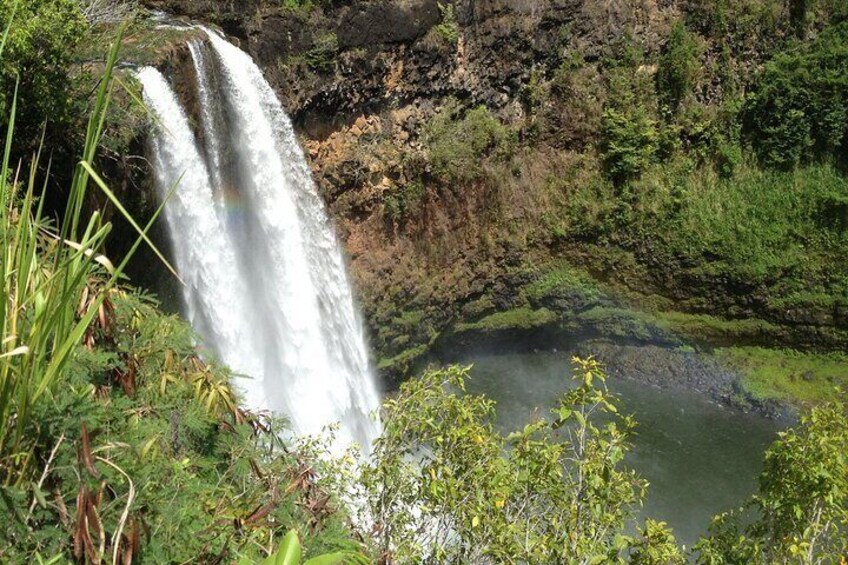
448, 29
322, 56
629, 143
678, 67
404, 201
457, 143
445, 487
800, 514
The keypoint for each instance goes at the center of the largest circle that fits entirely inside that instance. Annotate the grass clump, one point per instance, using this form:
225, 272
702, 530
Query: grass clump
763, 222
409, 318
523, 318
563, 280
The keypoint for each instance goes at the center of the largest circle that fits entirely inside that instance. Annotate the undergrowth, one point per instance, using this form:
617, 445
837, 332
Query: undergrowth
150, 444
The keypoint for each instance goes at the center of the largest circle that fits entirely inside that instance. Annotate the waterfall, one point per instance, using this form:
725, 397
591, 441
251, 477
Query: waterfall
266, 286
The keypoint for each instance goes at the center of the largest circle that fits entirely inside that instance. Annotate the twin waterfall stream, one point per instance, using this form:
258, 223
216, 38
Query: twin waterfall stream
265, 281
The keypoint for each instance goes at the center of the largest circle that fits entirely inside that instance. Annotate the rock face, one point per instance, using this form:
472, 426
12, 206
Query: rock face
363, 80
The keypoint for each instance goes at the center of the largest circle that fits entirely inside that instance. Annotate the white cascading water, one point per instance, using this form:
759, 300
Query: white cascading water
265, 280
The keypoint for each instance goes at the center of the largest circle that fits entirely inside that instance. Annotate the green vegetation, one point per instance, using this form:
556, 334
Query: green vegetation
618, 322
405, 201
55, 283
629, 143
799, 108
758, 226
405, 361
679, 66
801, 511
306, 6
562, 279
532, 496
517, 319
36, 62
711, 329
448, 29
322, 56
146, 454
458, 140
444, 486
787, 375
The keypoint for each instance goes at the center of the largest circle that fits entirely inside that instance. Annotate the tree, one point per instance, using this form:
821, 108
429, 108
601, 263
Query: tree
36, 60
800, 514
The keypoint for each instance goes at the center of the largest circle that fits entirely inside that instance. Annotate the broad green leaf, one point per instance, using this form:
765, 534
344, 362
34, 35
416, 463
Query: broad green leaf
289, 551
327, 559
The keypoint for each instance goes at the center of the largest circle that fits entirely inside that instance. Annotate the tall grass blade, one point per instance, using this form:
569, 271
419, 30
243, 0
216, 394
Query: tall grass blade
117, 203
8, 27
44, 274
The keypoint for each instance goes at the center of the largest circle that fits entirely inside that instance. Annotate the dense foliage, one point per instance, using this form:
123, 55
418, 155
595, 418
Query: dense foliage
458, 140
628, 142
119, 444
37, 60
444, 486
678, 66
801, 512
799, 108
145, 454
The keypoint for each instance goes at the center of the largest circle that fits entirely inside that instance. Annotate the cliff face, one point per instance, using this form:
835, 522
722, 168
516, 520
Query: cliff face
365, 82
334, 64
